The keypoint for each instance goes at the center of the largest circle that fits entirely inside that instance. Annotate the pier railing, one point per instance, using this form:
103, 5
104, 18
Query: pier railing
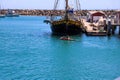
115, 21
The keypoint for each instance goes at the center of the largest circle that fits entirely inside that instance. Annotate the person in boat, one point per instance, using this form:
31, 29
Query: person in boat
71, 12
66, 38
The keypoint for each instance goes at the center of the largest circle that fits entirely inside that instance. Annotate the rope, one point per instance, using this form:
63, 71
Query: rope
79, 8
56, 4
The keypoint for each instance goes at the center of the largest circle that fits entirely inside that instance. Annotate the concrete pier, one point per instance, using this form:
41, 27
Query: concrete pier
113, 29
119, 30
109, 28
105, 25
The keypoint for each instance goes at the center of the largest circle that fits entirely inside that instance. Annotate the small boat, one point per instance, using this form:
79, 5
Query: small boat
11, 13
66, 38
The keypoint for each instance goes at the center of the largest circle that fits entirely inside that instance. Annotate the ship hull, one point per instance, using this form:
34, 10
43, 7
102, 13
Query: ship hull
66, 28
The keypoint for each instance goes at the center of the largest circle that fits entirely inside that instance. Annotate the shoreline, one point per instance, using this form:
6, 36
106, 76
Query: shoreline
39, 12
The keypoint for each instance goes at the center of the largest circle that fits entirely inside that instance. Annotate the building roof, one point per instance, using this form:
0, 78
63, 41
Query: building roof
93, 12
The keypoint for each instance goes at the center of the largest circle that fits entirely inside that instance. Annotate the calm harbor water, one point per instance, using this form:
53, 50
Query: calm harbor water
28, 51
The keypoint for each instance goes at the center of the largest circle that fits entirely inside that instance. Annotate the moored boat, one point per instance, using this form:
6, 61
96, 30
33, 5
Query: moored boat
11, 13
1, 15
69, 24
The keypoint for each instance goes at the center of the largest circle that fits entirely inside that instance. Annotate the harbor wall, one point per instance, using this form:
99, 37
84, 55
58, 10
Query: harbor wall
54, 12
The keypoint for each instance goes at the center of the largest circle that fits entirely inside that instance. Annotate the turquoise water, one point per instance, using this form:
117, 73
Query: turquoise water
28, 51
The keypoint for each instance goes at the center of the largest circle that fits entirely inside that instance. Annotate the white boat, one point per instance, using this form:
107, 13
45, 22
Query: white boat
11, 13
1, 15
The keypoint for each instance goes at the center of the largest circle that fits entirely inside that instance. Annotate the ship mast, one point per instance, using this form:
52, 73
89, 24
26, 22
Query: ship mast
66, 10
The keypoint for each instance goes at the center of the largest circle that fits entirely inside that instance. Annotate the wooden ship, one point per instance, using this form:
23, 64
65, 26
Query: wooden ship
69, 23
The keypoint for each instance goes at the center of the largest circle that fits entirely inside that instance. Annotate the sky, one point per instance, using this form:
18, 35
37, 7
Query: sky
48, 4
